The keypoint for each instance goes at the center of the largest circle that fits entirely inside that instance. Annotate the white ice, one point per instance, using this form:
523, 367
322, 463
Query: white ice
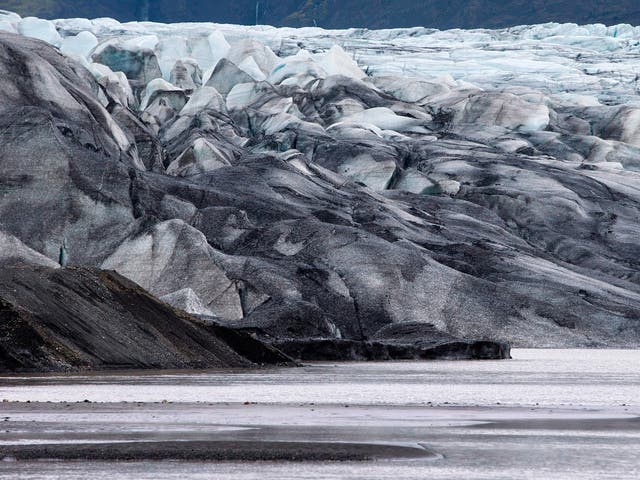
40, 29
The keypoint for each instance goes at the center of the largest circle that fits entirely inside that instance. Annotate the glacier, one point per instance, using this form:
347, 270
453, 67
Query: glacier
329, 184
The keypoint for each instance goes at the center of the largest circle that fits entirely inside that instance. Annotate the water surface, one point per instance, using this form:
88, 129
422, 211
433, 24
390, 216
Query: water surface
544, 414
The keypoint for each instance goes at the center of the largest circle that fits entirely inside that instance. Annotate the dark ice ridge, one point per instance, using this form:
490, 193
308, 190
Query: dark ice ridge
319, 203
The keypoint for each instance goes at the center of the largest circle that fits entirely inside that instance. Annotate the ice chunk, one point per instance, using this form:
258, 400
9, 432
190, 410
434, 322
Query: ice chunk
205, 98
10, 17
598, 44
243, 95
170, 50
74, 25
187, 300
171, 256
201, 157
505, 110
411, 90
226, 76
355, 130
282, 121
249, 66
7, 26
41, 29
104, 26
617, 123
365, 169
133, 57
449, 187
141, 42
80, 45
512, 145
12, 250
9, 21
115, 84
415, 181
155, 88
208, 50
337, 62
262, 55
186, 74
297, 70
219, 47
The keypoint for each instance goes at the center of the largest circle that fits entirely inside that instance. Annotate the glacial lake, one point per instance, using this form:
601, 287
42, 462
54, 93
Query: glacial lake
561, 414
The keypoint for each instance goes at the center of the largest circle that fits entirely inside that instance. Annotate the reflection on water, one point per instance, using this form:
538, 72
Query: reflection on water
545, 414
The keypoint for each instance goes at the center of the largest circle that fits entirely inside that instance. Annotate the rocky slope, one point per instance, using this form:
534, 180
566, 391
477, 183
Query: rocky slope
83, 319
342, 13
299, 198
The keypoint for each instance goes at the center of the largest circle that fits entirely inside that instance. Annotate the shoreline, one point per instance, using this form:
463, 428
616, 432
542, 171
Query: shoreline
158, 372
441, 383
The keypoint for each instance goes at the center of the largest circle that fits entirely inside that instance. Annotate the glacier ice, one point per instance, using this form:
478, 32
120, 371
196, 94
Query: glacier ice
40, 29
201, 157
384, 118
337, 62
266, 175
187, 300
147, 259
80, 45
226, 76
205, 98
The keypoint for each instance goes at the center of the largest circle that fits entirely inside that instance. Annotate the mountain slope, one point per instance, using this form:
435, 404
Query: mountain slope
343, 13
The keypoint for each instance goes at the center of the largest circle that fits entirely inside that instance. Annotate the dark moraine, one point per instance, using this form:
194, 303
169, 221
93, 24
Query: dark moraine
85, 319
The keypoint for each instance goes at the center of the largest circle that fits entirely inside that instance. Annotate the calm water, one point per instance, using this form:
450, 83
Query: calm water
558, 414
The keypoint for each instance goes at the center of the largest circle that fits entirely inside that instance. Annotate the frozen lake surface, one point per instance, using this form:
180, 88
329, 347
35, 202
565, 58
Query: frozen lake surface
544, 414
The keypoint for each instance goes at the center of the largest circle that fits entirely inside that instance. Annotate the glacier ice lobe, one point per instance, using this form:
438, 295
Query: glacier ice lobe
295, 195
61, 153
172, 256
